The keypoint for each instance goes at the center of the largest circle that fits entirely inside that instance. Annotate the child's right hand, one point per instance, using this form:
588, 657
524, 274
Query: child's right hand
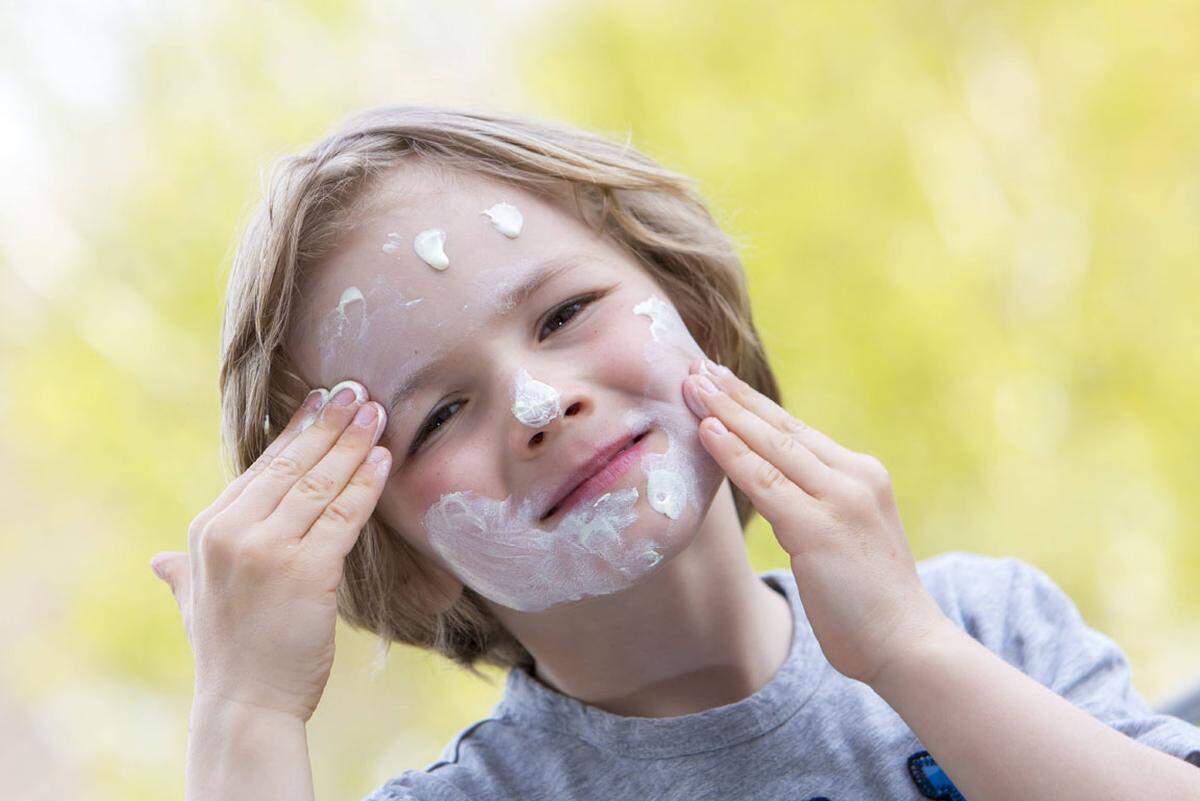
257, 588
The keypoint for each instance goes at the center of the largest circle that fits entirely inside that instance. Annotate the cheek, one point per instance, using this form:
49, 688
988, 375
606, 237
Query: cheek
439, 472
656, 344
442, 472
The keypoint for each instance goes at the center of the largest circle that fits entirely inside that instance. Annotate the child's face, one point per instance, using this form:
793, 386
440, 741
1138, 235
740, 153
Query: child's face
519, 397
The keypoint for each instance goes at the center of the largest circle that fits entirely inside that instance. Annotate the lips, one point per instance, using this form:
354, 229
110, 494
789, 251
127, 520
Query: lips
604, 466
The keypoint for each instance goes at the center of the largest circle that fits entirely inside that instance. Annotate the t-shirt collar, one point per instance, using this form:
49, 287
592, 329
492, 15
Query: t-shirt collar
533, 703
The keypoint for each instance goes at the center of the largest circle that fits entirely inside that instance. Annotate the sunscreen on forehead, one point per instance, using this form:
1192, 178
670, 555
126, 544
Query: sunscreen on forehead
430, 245
506, 218
394, 244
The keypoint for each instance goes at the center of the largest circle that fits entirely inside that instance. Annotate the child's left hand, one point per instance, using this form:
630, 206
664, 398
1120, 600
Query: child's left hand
833, 511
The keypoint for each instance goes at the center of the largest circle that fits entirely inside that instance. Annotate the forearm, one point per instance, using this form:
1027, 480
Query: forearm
237, 752
999, 734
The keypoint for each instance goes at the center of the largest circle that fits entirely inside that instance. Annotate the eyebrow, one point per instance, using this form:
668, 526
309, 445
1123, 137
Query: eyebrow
508, 300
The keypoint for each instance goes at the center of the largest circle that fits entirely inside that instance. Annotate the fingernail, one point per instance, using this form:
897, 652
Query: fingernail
345, 391
315, 399
718, 427
380, 426
694, 401
706, 386
710, 367
365, 415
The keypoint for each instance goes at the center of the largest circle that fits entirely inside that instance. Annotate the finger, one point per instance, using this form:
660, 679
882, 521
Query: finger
337, 528
828, 450
310, 497
174, 568
293, 461
800, 465
772, 493
304, 416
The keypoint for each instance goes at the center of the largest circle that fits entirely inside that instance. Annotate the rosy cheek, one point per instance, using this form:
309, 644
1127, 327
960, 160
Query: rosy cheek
453, 469
429, 484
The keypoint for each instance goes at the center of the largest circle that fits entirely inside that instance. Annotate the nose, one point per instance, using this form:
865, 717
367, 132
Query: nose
532, 440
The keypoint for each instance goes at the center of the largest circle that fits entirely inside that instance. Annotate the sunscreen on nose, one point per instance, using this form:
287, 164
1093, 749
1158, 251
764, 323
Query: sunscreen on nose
534, 403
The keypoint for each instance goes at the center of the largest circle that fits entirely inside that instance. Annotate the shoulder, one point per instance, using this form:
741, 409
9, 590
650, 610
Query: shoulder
986, 595
975, 584
957, 572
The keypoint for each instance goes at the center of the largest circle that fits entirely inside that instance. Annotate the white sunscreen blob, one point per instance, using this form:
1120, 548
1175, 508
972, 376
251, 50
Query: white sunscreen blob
347, 319
394, 244
506, 218
535, 404
430, 246
349, 295
665, 490
666, 326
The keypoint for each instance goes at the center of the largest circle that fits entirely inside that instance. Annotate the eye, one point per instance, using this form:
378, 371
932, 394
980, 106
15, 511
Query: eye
433, 423
557, 319
570, 309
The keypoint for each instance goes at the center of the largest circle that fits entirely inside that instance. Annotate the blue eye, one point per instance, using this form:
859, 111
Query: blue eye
437, 419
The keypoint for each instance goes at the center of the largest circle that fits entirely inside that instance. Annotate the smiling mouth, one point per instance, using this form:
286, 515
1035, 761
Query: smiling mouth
572, 497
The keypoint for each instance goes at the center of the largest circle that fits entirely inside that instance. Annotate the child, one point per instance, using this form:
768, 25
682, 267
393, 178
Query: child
522, 461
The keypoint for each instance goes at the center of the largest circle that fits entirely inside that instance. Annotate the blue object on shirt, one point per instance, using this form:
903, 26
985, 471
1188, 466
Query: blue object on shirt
930, 779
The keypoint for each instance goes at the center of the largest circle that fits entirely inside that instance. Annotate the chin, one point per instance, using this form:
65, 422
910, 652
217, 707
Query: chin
672, 537
651, 514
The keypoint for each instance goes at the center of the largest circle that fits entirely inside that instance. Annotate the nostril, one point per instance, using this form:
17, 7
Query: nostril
572, 409
536, 438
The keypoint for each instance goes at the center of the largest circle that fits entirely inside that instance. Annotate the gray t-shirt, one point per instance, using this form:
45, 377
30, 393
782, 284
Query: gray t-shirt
809, 733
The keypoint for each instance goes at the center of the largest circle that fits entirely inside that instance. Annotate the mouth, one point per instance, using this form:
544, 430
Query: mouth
598, 475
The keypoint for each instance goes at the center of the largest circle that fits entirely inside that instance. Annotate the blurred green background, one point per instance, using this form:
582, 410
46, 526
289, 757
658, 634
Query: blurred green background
972, 233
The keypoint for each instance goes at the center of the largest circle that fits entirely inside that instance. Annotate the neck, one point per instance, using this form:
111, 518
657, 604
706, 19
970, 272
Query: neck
702, 632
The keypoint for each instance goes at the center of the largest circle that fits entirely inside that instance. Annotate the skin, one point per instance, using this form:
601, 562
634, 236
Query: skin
257, 587
717, 632
833, 511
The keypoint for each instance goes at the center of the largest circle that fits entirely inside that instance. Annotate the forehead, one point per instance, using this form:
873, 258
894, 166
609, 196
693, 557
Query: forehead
373, 300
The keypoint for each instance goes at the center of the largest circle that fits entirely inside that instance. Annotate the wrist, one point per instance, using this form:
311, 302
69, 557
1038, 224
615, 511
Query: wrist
241, 751
939, 641
230, 713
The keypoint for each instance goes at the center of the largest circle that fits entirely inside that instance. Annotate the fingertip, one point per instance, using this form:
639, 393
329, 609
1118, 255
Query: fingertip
380, 459
714, 426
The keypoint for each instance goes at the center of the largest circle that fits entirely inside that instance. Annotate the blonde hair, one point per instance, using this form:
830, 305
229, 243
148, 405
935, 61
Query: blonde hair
654, 214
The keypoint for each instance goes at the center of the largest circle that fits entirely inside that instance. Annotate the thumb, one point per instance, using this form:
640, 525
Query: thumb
174, 568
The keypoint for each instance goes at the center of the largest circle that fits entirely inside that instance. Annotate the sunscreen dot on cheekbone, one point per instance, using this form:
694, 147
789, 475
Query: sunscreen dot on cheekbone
506, 218
430, 245
534, 403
